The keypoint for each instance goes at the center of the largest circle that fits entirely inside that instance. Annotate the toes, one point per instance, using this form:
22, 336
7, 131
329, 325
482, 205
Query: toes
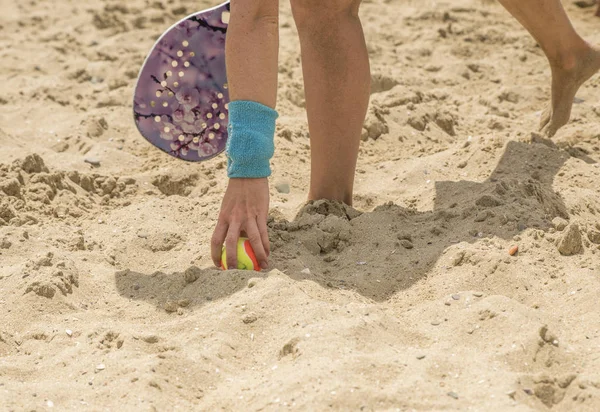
548, 130
545, 119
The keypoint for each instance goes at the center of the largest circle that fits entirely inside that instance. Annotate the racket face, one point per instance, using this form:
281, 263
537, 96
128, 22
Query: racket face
181, 97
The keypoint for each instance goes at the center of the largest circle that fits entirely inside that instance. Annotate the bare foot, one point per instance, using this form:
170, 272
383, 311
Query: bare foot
566, 81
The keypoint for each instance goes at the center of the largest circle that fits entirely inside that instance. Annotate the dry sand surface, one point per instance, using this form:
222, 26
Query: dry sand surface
411, 301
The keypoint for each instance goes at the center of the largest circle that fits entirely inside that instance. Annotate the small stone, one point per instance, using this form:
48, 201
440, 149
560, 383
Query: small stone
306, 271
100, 367
462, 164
69, 332
192, 274
513, 250
594, 236
456, 297
559, 223
171, 307
419, 357
453, 395
249, 318
406, 244
5, 244
283, 187
511, 394
458, 259
150, 339
50, 404
528, 391
436, 323
481, 216
92, 160
406, 236
571, 243
477, 294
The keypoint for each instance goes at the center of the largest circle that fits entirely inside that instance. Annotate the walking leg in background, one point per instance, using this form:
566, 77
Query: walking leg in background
572, 60
337, 82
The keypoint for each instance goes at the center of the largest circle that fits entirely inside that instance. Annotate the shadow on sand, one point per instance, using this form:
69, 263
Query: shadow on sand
381, 252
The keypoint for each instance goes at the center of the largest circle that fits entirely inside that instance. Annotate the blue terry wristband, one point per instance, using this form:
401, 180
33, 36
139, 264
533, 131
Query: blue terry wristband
250, 144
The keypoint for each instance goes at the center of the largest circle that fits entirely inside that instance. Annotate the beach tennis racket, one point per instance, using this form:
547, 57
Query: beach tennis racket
181, 99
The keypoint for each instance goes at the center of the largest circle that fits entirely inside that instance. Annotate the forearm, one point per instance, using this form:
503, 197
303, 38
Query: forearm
252, 51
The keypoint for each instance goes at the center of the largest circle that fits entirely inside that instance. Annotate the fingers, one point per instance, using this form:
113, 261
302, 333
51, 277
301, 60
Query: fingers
264, 235
231, 241
256, 242
216, 243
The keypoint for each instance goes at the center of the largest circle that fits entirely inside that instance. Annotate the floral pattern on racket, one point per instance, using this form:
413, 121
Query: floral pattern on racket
181, 99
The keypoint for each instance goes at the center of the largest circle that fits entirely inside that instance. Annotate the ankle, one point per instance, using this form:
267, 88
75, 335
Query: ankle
569, 58
342, 196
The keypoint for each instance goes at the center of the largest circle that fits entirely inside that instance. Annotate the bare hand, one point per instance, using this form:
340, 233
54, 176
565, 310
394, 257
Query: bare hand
244, 210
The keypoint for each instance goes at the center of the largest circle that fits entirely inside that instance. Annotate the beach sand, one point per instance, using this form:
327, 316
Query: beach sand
408, 301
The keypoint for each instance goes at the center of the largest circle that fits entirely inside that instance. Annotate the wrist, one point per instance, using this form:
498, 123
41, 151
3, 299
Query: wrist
250, 145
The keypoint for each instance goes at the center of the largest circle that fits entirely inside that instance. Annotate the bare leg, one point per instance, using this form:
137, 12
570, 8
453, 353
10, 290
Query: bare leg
252, 50
337, 85
572, 60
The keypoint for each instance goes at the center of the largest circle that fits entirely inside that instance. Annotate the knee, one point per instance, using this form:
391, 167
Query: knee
319, 11
252, 11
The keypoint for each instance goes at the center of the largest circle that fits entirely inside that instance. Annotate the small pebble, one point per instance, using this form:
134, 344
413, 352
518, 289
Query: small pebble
513, 250
306, 271
511, 394
559, 223
436, 323
406, 244
92, 160
100, 367
477, 294
283, 187
150, 339
69, 332
249, 318
50, 404
456, 297
170, 307
528, 391
419, 357
453, 395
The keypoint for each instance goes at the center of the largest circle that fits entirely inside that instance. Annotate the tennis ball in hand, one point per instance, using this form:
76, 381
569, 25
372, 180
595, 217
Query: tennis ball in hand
246, 260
